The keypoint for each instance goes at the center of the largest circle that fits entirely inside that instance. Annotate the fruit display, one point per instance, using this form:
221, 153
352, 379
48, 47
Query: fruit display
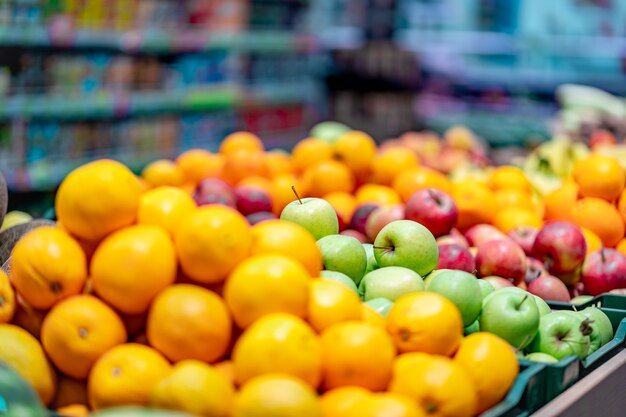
340, 278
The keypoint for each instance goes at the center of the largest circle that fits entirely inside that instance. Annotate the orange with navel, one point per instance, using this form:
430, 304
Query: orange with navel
408, 182
198, 164
377, 194
310, 151
600, 217
316, 178
163, 172
332, 302
599, 176
7, 299
165, 207
387, 165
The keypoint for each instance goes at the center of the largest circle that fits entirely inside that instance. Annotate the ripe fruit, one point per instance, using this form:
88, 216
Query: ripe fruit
560, 201
276, 395
165, 207
211, 242
434, 209
264, 284
342, 400
387, 404
347, 347
163, 172
131, 266
240, 141
509, 177
412, 180
198, 164
513, 217
491, 364
599, 176
511, 197
243, 164
503, 258
377, 194
22, 352
310, 151
425, 322
47, 265
601, 218
97, 199
314, 214
78, 331
357, 150
343, 203
194, 387
604, 271
561, 246
281, 343
331, 302
316, 178
126, 375
279, 162
476, 203
7, 299
390, 163
189, 322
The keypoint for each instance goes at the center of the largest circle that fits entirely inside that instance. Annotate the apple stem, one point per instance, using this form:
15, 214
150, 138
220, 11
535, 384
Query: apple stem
383, 247
434, 196
519, 348
602, 253
522, 302
475, 272
293, 188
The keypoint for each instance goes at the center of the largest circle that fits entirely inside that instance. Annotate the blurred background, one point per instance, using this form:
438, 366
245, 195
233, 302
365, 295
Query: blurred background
138, 80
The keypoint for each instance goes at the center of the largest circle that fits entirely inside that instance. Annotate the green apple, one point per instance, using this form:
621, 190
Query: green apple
428, 278
561, 334
512, 315
472, 328
381, 305
371, 259
390, 282
328, 131
343, 254
581, 299
408, 244
601, 323
462, 289
542, 306
339, 277
540, 357
314, 214
485, 287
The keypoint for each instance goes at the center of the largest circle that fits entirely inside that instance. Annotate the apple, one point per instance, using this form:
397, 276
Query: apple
542, 306
360, 216
604, 270
534, 270
250, 200
433, 208
340, 277
501, 257
357, 235
549, 288
602, 322
498, 282
576, 289
472, 328
371, 259
380, 305
381, 217
453, 256
215, 191
314, 214
462, 289
343, 223
485, 287
561, 246
524, 236
259, 217
562, 333
390, 282
328, 131
580, 299
343, 254
454, 237
481, 233
541, 357
512, 315
406, 243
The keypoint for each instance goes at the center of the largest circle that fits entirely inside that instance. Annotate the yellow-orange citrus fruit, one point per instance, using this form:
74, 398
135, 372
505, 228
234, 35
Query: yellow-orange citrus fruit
387, 404
476, 203
509, 177
512, 197
310, 151
373, 317
283, 193
332, 302
408, 182
560, 201
316, 178
512, 217
165, 207
241, 141
390, 163
198, 164
377, 194
7, 299
599, 176
621, 205
243, 164
621, 246
341, 401
357, 150
594, 242
73, 410
163, 172
279, 163
600, 217
344, 204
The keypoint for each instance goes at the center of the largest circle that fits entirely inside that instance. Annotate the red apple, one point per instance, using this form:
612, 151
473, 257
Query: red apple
360, 215
455, 237
452, 256
260, 216
215, 191
343, 223
434, 209
561, 246
525, 237
381, 217
498, 282
501, 257
549, 288
534, 270
252, 200
481, 233
601, 137
358, 235
604, 270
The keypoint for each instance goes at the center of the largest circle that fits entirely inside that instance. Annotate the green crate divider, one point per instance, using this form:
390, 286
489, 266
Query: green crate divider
524, 396
603, 300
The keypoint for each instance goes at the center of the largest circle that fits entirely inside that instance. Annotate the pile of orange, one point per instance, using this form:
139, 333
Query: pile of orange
138, 297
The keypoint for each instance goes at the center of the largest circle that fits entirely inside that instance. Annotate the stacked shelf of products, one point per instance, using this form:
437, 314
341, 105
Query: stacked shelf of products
138, 80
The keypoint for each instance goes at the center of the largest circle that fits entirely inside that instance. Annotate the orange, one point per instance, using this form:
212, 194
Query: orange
165, 207
211, 242
27, 317
621, 246
425, 322
621, 205
390, 163
283, 194
288, 239
73, 410
358, 354
593, 241
310, 151
476, 203
70, 392
126, 375
282, 343
195, 388
331, 302
509, 177
560, 201
243, 164
412, 180
276, 395
267, 283
601, 218
327, 177
184, 314
388, 404
512, 197
278, 163
377, 194
227, 369
599, 176
7, 299
47, 265
78, 331
339, 402
491, 364
357, 150
241, 141
512, 217
163, 172
22, 352
438, 385
131, 266
198, 164
344, 204
372, 317
97, 199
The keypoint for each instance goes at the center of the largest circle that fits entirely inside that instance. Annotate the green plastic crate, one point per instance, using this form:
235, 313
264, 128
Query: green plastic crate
604, 300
